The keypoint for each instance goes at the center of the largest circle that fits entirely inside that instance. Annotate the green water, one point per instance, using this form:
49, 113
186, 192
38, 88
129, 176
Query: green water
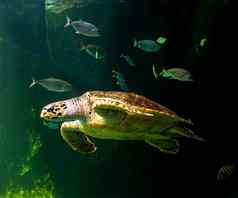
35, 162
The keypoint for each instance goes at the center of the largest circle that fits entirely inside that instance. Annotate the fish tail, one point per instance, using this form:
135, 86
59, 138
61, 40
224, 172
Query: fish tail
135, 43
68, 22
33, 82
82, 46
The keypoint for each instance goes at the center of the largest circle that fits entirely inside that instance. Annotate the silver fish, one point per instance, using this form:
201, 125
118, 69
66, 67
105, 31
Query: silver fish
83, 27
94, 51
177, 74
198, 48
128, 59
120, 80
225, 172
147, 45
203, 42
53, 84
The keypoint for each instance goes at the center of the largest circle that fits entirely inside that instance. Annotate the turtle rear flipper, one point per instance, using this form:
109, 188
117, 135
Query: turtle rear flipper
75, 138
165, 145
186, 132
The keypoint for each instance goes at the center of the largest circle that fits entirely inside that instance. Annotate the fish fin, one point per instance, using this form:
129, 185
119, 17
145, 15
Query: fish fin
186, 132
77, 32
170, 146
68, 22
135, 43
33, 82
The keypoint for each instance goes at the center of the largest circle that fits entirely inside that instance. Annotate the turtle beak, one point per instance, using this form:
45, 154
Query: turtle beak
43, 113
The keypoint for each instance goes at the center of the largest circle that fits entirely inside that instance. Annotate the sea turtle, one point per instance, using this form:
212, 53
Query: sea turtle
118, 116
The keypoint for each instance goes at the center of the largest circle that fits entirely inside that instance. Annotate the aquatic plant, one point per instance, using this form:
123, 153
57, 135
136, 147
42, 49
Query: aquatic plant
34, 147
41, 188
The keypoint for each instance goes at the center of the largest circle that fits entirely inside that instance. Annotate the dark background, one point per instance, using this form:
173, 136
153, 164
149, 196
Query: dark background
40, 47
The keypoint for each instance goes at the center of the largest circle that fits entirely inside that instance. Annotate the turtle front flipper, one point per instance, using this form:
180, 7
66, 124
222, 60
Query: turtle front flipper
75, 138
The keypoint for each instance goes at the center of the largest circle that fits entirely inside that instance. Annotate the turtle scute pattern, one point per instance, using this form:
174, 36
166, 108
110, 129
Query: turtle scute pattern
129, 101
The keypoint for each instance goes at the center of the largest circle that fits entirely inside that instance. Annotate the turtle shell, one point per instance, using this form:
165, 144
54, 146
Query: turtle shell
123, 115
130, 102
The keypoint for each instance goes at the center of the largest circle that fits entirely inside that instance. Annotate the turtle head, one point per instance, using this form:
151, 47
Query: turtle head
67, 110
54, 112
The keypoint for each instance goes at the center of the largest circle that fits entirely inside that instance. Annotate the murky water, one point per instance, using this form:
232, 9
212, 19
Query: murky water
35, 161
